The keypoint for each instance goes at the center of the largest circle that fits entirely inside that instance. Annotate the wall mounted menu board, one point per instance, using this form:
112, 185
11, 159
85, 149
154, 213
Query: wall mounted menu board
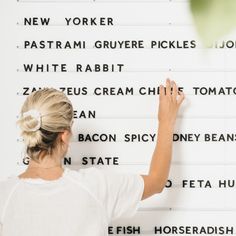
109, 57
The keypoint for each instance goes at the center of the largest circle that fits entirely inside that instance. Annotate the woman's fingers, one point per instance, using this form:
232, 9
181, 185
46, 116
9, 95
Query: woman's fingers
162, 91
175, 90
169, 102
181, 98
171, 85
168, 87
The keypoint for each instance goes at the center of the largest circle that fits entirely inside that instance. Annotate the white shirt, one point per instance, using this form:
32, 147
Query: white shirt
80, 203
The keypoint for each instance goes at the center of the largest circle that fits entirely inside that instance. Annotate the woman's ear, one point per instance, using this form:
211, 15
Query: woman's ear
65, 136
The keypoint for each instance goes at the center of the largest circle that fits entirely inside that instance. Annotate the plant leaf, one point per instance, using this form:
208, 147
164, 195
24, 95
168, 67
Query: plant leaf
213, 18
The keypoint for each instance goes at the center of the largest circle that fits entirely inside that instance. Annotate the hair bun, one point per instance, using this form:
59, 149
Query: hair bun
31, 120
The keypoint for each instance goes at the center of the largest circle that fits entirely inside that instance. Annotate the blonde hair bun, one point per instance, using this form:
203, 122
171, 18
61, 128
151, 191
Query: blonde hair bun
31, 120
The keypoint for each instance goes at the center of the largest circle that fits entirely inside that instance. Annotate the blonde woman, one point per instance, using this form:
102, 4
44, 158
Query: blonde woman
48, 199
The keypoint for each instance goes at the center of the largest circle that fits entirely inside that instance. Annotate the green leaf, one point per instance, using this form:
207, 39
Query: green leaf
213, 18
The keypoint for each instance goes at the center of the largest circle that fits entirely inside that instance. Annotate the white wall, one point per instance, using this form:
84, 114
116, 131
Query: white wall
197, 161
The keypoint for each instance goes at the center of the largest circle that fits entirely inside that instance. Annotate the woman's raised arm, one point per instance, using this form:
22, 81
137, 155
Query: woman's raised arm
169, 103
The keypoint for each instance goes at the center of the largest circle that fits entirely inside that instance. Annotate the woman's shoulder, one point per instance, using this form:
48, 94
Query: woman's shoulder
7, 182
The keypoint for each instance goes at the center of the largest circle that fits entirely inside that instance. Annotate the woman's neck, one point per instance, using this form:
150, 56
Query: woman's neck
49, 168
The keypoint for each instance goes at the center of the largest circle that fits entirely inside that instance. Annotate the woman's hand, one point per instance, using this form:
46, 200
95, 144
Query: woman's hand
169, 103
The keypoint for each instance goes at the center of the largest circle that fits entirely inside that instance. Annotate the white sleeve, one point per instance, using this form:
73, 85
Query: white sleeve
119, 193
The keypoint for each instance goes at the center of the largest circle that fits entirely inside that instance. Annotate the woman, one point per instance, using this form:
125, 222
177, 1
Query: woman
47, 199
